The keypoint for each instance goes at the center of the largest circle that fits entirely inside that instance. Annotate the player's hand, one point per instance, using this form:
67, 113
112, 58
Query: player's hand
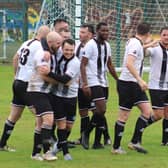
153, 43
143, 84
86, 91
43, 70
47, 56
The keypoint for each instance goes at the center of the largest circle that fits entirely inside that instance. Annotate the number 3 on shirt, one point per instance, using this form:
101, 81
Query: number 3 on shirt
23, 56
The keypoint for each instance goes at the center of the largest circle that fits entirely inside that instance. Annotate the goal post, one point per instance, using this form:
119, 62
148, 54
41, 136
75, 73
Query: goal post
3, 12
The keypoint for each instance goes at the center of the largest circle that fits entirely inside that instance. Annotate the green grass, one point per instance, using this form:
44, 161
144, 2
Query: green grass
22, 138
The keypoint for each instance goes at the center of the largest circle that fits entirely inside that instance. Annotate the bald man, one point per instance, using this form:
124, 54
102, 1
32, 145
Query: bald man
40, 98
41, 34
22, 62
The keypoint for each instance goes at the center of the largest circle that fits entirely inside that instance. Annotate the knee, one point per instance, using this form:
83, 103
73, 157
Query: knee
61, 124
83, 113
123, 116
48, 120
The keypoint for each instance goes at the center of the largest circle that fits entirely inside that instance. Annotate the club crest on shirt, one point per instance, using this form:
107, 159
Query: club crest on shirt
134, 52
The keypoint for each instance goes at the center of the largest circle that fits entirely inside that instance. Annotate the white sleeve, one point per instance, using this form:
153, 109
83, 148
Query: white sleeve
133, 49
39, 58
88, 50
73, 68
109, 52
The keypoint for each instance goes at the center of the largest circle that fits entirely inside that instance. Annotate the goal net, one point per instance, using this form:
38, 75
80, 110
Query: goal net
122, 17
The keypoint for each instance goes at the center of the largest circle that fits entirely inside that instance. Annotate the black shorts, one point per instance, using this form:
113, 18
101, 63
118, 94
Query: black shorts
64, 108
41, 103
84, 102
159, 98
106, 92
97, 93
130, 94
20, 94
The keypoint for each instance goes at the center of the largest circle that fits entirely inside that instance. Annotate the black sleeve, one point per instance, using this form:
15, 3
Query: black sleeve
44, 44
60, 78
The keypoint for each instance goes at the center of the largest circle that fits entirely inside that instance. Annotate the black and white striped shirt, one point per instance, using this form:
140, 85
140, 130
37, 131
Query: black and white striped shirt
158, 77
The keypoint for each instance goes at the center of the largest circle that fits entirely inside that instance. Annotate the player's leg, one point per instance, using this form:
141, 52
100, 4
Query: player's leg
70, 109
98, 117
17, 107
141, 124
43, 108
96, 120
37, 146
53, 130
157, 101
83, 104
165, 126
119, 130
158, 97
61, 121
84, 119
62, 137
15, 114
126, 102
107, 139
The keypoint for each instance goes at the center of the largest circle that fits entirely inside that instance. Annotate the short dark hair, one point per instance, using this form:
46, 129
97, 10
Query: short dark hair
163, 28
89, 26
143, 28
69, 41
60, 20
100, 24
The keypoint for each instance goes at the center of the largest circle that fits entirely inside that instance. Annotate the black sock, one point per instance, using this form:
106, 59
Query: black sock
8, 128
68, 133
105, 131
84, 123
98, 134
46, 137
99, 129
165, 131
118, 133
37, 142
53, 132
62, 135
92, 123
151, 120
141, 124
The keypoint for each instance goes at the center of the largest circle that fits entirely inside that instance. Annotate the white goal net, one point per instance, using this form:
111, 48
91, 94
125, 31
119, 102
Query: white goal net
122, 17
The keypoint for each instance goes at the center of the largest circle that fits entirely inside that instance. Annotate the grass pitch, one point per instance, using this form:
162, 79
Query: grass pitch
22, 138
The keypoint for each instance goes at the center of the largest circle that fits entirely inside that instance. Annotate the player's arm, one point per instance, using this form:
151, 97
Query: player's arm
60, 78
148, 49
85, 87
84, 62
49, 76
130, 65
42, 71
152, 43
49, 80
111, 68
15, 62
